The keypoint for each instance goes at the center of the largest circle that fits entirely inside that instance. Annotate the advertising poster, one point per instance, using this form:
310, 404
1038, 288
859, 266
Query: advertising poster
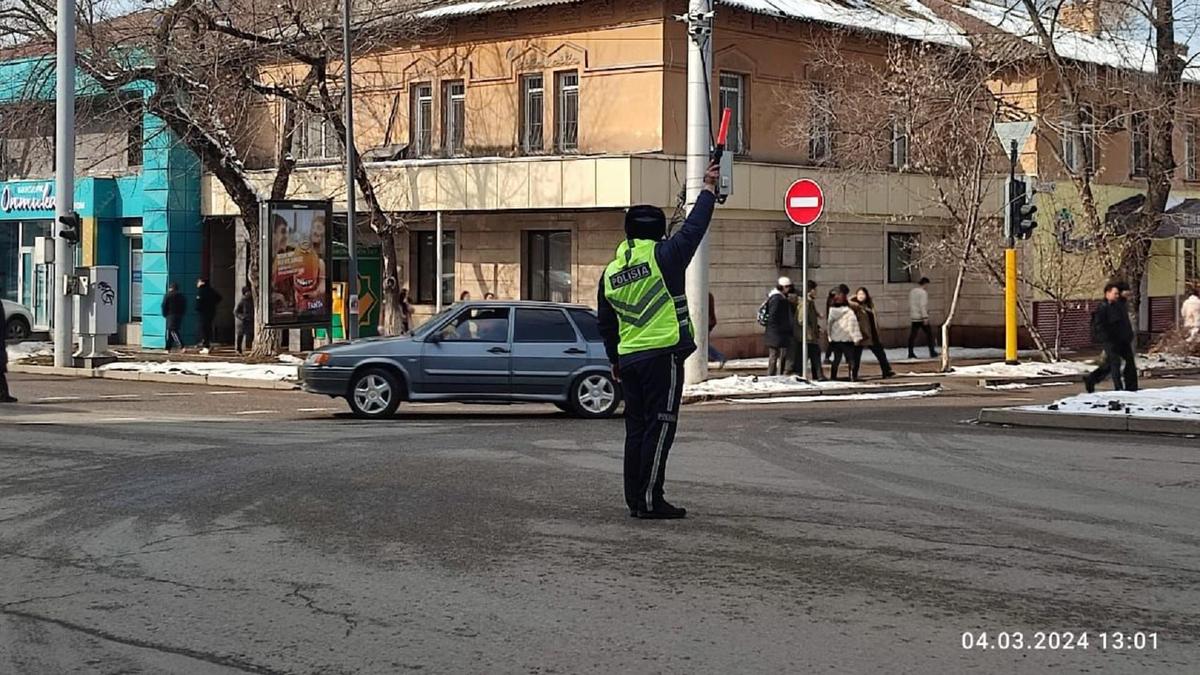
297, 257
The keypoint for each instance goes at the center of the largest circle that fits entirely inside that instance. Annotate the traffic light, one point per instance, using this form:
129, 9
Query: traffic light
1019, 218
72, 225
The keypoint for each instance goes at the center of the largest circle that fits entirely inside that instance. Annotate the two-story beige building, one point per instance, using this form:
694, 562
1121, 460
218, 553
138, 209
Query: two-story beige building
530, 126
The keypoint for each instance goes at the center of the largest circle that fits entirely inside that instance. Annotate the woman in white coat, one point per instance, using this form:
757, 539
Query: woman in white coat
844, 334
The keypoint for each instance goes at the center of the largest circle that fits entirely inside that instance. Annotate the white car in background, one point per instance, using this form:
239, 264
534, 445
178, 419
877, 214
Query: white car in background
19, 321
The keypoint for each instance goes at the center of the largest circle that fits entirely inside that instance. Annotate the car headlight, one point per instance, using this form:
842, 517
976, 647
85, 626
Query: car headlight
317, 359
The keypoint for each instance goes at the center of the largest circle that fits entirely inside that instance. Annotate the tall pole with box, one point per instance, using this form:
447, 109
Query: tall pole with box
699, 146
351, 160
1013, 136
66, 221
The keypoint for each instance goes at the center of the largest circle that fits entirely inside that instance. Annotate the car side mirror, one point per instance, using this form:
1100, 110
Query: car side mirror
435, 337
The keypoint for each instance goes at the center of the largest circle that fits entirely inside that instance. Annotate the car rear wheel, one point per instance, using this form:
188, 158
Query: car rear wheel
374, 394
17, 328
595, 395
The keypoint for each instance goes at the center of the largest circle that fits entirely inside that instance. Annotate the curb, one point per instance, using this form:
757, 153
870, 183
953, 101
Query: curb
1088, 422
1035, 380
162, 378
807, 393
1168, 372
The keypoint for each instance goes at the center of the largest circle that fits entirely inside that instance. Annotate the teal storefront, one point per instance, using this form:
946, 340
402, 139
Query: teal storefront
147, 222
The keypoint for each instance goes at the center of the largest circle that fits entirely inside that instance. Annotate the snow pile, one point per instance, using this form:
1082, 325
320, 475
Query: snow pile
29, 350
870, 396
1027, 369
740, 385
245, 371
1167, 361
904, 18
1171, 402
1012, 386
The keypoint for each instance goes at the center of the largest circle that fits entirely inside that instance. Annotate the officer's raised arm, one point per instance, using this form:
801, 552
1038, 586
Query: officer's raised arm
681, 247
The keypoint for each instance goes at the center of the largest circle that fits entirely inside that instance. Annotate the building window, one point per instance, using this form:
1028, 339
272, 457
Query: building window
820, 128
135, 279
901, 257
532, 111
733, 97
315, 138
547, 266
899, 143
424, 267
454, 118
1079, 145
421, 130
1191, 150
133, 139
566, 123
1191, 261
1139, 144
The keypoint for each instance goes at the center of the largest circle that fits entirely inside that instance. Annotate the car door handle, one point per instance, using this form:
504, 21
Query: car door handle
498, 350
575, 350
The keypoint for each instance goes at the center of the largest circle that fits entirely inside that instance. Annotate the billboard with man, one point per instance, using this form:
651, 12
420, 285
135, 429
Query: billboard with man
296, 255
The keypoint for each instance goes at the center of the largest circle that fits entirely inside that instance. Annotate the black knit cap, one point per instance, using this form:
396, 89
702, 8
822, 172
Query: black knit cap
645, 222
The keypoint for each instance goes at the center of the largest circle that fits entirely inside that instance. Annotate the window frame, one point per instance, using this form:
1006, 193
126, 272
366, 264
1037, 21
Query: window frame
1084, 137
527, 246
821, 120
420, 125
910, 273
739, 145
453, 322
1191, 149
1139, 128
141, 269
454, 126
527, 146
516, 323
415, 286
561, 123
899, 137
300, 139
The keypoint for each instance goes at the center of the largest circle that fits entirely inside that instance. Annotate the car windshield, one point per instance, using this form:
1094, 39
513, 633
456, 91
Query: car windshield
427, 327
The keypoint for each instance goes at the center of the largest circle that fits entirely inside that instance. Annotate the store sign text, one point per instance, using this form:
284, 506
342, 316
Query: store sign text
41, 200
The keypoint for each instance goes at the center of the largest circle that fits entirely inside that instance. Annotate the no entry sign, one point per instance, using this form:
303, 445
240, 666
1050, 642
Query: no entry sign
804, 202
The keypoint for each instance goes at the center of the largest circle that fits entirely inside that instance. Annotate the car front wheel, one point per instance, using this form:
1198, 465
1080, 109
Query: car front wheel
595, 395
17, 328
374, 394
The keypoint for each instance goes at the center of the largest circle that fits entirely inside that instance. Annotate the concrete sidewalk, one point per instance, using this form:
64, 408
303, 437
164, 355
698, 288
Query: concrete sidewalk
166, 378
816, 391
1089, 422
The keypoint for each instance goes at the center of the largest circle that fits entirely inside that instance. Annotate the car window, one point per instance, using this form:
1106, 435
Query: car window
478, 324
543, 325
588, 325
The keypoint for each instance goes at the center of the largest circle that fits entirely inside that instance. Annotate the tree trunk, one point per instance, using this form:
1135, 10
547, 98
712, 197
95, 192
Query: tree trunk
389, 315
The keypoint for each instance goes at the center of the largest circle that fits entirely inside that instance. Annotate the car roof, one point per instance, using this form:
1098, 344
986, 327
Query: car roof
524, 303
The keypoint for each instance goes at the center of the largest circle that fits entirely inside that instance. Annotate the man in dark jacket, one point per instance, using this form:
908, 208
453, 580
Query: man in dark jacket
207, 300
5, 396
780, 318
643, 318
1112, 328
174, 306
244, 314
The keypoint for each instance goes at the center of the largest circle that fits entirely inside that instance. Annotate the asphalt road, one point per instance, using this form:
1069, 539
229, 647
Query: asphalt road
178, 529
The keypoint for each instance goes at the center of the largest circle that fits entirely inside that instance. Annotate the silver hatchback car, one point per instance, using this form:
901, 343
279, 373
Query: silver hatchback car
486, 351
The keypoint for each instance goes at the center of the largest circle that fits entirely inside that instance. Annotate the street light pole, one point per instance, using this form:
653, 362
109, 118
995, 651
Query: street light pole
64, 180
351, 160
699, 147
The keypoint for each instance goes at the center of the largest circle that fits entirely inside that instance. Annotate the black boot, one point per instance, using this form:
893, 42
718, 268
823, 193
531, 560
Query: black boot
663, 511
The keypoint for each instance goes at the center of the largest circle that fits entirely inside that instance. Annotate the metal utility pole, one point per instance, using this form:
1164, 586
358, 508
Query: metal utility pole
1010, 267
699, 139
64, 181
351, 160
438, 271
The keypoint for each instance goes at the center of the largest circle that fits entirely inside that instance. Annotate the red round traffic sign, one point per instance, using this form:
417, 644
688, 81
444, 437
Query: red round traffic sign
804, 202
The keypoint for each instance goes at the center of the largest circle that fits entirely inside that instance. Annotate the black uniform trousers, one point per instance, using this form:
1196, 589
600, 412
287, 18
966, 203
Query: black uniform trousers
652, 389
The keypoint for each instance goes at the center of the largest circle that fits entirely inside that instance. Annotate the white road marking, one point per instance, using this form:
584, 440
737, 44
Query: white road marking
174, 393
225, 393
317, 409
803, 202
51, 399
255, 412
126, 396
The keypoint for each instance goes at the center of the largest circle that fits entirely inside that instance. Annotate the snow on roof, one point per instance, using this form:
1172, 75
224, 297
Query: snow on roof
904, 18
1108, 48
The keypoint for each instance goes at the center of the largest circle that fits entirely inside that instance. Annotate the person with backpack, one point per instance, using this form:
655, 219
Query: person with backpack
845, 336
778, 321
1112, 328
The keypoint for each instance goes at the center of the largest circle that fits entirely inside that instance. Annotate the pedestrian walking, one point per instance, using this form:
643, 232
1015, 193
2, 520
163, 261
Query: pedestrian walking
864, 308
813, 337
918, 312
174, 306
844, 337
714, 355
643, 318
1112, 328
1190, 314
778, 335
405, 306
5, 395
829, 303
243, 315
207, 299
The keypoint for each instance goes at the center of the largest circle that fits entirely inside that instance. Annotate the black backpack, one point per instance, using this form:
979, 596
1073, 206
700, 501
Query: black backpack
763, 313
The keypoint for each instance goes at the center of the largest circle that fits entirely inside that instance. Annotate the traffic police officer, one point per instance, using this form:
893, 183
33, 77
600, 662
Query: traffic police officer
648, 334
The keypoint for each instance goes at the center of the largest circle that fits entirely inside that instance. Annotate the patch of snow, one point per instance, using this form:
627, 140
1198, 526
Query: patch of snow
247, 371
30, 350
904, 18
1026, 385
751, 384
1171, 402
289, 358
463, 9
871, 396
1026, 369
1167, 361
